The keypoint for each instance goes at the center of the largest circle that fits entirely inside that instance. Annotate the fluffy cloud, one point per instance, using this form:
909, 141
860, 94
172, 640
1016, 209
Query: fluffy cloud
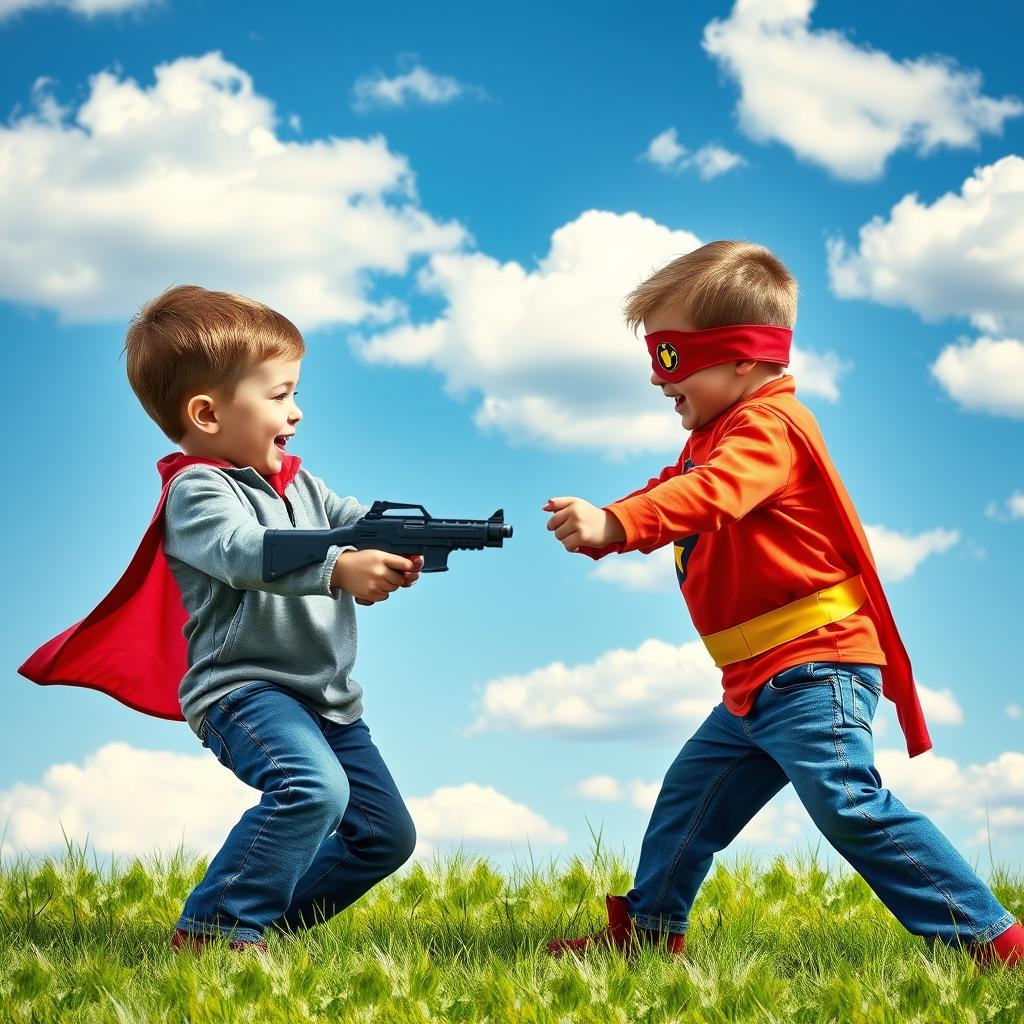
136, 802
941, 786
129, 801
655, 690
598, 787
843, 106
87, 8
897, 555
548, 348
478, 815
414, 85
940, 706
985, 375
710, 160
187, 180
963, 255
1014, 508
657, 687
639, 572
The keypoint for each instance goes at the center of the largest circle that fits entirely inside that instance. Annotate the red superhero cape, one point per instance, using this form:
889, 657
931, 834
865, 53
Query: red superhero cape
132, 645
897, 676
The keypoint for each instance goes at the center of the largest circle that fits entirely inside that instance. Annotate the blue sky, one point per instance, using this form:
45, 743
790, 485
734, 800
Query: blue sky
451, 202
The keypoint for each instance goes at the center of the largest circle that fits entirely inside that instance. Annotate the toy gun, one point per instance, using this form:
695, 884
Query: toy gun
285, 550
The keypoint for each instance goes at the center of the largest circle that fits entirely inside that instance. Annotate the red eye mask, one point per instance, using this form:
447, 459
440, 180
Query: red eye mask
677, 354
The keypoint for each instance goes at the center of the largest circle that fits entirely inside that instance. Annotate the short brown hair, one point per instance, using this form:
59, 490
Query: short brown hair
724, 282
189, 340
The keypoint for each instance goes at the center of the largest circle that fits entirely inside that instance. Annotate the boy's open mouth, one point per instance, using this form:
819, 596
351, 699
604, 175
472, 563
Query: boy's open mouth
680, 403
281, 440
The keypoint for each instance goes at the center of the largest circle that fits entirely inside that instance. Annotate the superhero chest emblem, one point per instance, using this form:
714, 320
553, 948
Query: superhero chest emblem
683, 548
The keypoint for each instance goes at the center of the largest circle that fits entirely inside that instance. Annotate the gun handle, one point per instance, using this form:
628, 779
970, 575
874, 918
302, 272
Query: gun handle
435, 560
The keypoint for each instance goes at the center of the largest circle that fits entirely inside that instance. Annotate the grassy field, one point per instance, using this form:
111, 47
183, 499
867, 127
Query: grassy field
454, 940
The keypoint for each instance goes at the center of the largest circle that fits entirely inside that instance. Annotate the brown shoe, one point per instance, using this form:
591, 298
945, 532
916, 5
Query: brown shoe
620, 934
194, 941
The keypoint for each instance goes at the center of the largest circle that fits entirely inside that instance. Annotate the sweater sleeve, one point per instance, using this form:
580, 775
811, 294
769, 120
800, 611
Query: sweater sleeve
749, 467
206, 526
340, 511
666, 474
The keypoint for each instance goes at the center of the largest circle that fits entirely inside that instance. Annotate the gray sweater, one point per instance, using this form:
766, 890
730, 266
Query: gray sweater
296, 631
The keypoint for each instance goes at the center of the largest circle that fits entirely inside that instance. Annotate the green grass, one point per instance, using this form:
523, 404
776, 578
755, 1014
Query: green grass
455, 940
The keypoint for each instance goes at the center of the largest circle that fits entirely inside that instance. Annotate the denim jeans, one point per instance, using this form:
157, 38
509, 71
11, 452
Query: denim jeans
330, 825
810, 725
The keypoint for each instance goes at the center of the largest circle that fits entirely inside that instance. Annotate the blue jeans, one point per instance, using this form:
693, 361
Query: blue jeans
810, 725
331, 823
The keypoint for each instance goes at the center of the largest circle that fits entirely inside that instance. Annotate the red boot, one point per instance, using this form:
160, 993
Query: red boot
194, 941
620, 934
1008, 947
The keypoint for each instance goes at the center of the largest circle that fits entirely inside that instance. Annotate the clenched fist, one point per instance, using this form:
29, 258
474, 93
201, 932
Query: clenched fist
578, 523
371, 576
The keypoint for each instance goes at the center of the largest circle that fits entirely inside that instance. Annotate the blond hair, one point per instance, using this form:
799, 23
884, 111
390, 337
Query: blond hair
724, 282
189, 340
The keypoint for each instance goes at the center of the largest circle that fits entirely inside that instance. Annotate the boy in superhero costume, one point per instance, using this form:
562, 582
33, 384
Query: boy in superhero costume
780, 582
260, 671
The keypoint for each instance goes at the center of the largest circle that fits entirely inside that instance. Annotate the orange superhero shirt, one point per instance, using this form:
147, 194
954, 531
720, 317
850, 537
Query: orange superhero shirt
759, 517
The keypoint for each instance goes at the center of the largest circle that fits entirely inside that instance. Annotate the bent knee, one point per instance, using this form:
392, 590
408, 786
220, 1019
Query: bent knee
327, 795
396, 843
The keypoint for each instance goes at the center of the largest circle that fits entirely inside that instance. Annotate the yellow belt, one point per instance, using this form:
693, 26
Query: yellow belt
763, 632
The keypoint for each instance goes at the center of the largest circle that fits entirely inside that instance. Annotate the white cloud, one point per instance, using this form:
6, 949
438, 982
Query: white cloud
711, 160
639, 572
87, 8
415, 85
985, 375
478, 815
598, 787
655, 688
127, 800
137, 802
1014, 508
644, 794
840, 105
962, 256
779, 823
817, 373
187, 180
548, 347
664, 150
897, 555
1012, 711
940, 707
940, 785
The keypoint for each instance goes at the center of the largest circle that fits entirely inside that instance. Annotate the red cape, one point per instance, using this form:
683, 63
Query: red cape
897, 676
132, 645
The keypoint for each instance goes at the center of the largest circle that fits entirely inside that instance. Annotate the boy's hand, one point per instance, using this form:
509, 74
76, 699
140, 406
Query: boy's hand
576, 522
371, 576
